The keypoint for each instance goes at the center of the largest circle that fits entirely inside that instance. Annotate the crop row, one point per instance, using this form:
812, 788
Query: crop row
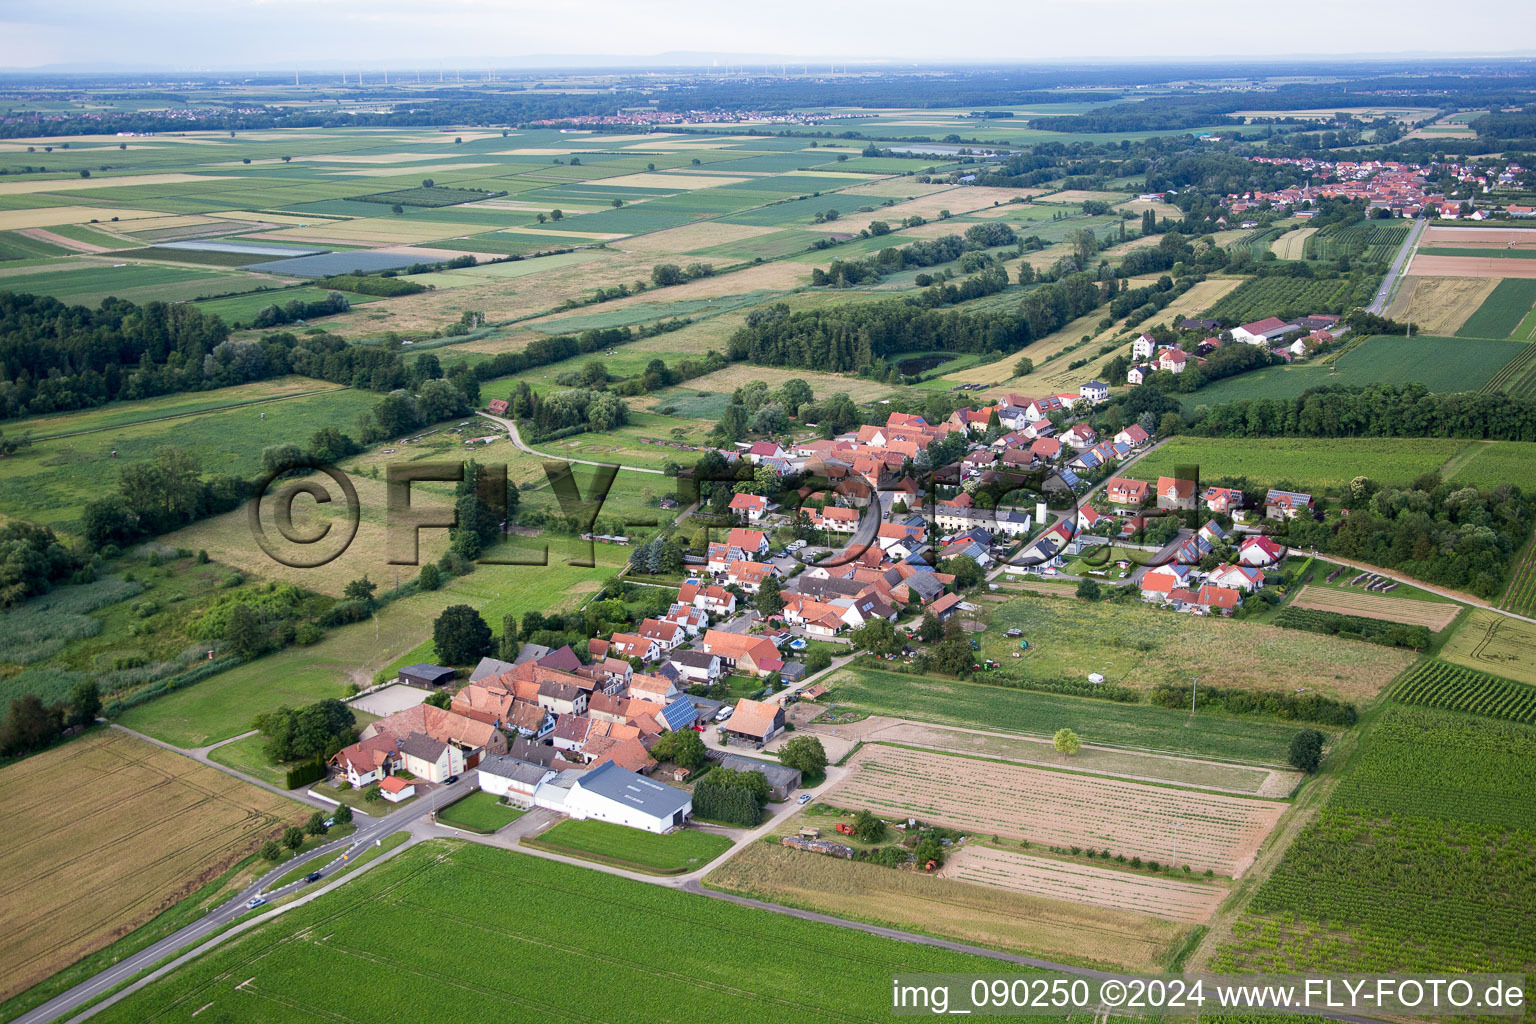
1521, 595
1517, 377
1261, 297
1369, 241
1439, 684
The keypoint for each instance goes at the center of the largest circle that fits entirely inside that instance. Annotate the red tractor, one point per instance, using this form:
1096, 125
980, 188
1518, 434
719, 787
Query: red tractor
843, 829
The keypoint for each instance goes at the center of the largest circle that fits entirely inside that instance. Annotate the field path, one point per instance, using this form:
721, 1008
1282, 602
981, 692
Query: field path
517, 439
1389, 283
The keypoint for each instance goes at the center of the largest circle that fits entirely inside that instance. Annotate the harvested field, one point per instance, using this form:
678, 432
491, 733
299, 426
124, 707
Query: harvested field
1057, 808
823, 384
1293, 244
1425, 263
1434, 614
13, 188
106, 832
1170, 898
47, 217
1494, 643
1203, 296
947, 906
1439, 305
689, 237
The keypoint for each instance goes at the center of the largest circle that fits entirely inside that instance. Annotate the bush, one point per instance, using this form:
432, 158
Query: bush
304, 774
1306, 750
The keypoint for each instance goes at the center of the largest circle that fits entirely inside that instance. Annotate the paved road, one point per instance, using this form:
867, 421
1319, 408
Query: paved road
517, 439
327, 858
1399, 264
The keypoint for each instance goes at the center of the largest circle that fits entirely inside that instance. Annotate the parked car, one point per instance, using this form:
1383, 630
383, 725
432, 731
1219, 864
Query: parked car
255, 901
804, 797
450, 780
313, 876
723, 714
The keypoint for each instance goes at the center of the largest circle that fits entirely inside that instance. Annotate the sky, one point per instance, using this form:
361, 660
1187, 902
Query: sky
229, 34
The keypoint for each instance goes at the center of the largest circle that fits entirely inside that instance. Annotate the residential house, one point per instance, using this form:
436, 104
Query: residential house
367, 761
1159, 583
655, 689
396, 789
753, 506
697, 668
1172, 360
632, 645
467, 738
716, 601
1280, 504
944, 607
1223, 500
1174, 493
1125, 491
1094, 392
1138, 374
430, 759
1143, 347
834, 519
1081, 436
1132, 436
1260, 551
750, 543
764, 450
668, 635
749, 576
1237, 577
754, 655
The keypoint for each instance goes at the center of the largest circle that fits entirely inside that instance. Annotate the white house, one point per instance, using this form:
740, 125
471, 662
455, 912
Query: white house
1143, 347
614, 794
395, 789
1095, 391
430, 759
512, 777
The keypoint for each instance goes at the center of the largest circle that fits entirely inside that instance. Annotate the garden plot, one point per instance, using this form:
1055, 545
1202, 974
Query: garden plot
1170, 898
1434, 614
1056, 808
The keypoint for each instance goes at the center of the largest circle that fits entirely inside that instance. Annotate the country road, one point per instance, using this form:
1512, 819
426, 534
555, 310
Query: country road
1399, 264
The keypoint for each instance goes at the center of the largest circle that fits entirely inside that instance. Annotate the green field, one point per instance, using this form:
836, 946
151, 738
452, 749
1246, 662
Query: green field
1489, 464
1420, 858
479, 812
1440, 364
674, 853
1311, 464
50, 481
1041, 714
324, 959
1502, 311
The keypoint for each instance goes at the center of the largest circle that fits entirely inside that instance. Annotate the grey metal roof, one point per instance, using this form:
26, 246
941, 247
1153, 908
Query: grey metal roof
506, 767
490, 667
625, 787
530, 652
776, 774
431, 673
693, 659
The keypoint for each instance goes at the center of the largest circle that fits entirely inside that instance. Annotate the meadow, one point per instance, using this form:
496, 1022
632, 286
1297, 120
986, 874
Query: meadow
106, 832
1310, 464
674, 853
1440, 364
323, 958
954, 702
1142, 647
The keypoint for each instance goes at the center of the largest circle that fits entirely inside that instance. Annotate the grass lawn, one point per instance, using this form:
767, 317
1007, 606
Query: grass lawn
672, 854
249, 755
480, 812
1312, 464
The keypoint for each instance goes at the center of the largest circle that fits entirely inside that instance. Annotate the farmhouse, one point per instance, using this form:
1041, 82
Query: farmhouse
615, 794
754, 721
466, 739
510, 777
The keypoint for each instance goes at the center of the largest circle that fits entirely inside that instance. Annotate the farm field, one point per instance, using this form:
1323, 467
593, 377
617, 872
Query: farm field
1293, 244
1058, 808
948, 907
675, 853
1041, 714
1437, 684
1260, 297
1140, 646
1502, 311
1094, 760
322, 958
1494, 643
1438, 306
1518, 377
1168, 898
1311, 464
122, 414
1440, 364
106, 832
1377, 606
1468, 266
1416, 861
1370, 241
1499, 462
1520, 595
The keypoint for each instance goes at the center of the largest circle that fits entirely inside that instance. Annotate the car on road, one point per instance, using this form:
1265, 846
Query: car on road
450, 780
255, 901
313, 876
804, 797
